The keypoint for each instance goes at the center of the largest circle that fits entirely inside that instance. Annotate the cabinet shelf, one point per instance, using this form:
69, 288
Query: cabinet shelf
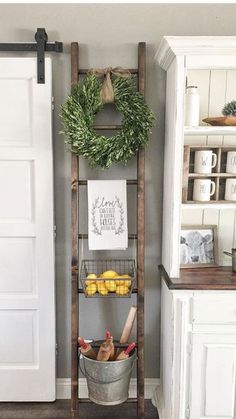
210, 175
210, 130
218, 175
211, 204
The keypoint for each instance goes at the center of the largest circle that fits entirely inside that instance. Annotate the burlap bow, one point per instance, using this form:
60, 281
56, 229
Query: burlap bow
107, 92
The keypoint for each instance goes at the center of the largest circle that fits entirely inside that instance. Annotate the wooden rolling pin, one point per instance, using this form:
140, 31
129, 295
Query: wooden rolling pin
109, 340
86, 349
125, 354
106, 350
128, 325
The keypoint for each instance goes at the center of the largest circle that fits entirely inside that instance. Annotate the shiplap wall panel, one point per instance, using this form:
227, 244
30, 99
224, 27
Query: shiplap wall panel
217, 93
195, 140
226, 231
192, 216
201, 79
211, 216
230, 95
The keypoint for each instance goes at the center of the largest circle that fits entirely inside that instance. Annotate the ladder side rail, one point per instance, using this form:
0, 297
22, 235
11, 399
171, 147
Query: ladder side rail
140, 245
74, 251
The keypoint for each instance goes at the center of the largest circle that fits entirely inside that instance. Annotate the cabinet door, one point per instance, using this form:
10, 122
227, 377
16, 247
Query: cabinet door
212, 376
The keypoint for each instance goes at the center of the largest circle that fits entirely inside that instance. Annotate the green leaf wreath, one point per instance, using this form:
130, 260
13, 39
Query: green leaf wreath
85, 102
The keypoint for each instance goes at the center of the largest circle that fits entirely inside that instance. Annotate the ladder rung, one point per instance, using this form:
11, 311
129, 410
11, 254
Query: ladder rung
117, 344
130, 236
107, 127
85, 70
134, 291
129, 182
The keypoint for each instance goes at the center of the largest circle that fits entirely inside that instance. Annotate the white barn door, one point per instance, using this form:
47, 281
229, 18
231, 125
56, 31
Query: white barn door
27, 304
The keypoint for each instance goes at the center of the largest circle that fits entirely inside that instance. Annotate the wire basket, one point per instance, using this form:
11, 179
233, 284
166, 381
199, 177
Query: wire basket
108, 278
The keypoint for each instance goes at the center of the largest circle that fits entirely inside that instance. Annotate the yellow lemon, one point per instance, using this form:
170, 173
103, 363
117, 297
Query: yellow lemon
110, 285
119, 280
127, 282
109, 274
103, 290
91, 289
100, 284
92, 276
122, 290
125, 276
90, 282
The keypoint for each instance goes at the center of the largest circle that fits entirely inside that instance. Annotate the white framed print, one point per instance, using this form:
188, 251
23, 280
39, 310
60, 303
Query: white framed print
198, 246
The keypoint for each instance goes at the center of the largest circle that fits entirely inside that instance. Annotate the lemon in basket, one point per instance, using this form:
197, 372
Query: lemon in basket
91, 289
127, 281
122, 290
119, 280
109, 274
101, 287
91, 276
89, 282
103, 290
91, 279
111, 285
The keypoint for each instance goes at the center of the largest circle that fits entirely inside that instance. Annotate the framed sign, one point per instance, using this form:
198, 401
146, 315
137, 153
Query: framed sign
198, 246
107, 215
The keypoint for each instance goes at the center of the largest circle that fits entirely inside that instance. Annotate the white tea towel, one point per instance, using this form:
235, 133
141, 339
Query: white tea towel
107, 215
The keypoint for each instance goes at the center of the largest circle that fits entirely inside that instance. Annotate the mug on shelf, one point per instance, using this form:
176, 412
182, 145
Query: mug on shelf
203, 189
230, 189
204, 161
231, 162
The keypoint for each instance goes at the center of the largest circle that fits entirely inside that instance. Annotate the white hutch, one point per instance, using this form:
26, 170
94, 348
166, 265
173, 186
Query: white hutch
198, 330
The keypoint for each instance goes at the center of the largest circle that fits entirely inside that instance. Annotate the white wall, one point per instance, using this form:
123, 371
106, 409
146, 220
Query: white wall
108, 35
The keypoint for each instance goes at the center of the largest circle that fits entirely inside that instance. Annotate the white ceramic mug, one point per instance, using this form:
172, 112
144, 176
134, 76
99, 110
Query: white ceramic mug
203, 189
231, 162
204, 161
230, 189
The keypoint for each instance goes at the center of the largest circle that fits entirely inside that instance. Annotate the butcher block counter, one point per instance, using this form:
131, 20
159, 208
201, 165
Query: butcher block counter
213, 278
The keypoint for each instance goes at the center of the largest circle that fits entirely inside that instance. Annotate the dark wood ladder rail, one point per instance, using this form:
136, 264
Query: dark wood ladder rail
139, 237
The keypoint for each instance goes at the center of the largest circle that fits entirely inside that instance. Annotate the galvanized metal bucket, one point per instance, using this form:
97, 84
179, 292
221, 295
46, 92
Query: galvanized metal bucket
108, 382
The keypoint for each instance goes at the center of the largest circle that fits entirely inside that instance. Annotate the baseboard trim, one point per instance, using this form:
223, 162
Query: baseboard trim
63, 387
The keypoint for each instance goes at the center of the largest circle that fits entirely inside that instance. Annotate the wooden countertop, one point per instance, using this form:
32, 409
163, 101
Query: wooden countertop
215, 278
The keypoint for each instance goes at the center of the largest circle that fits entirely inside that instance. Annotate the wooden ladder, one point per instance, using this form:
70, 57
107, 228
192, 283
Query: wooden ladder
75, 236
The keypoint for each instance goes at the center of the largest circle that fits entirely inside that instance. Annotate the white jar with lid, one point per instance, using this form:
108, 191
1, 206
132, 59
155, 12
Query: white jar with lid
192, 106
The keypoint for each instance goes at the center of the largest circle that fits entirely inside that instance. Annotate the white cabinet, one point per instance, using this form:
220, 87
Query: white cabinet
198, 355
210, 64
212, 374
198, 323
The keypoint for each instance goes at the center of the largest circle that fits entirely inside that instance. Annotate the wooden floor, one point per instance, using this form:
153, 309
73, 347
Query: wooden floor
61, 410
